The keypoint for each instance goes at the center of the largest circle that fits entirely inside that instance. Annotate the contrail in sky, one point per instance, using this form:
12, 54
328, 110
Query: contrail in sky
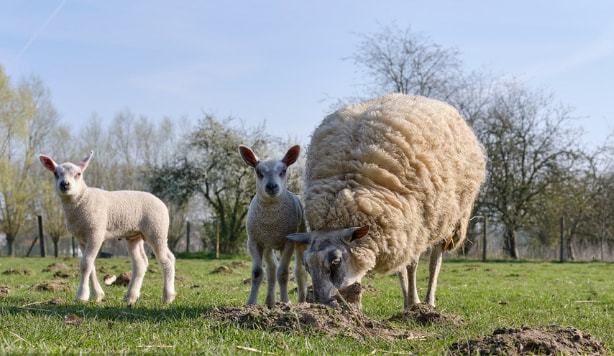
40, 29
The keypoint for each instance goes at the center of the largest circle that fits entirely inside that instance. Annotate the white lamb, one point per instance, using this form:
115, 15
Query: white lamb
274, 213
385, 180
95, 215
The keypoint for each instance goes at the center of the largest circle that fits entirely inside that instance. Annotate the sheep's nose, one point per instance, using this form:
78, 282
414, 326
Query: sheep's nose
272, 188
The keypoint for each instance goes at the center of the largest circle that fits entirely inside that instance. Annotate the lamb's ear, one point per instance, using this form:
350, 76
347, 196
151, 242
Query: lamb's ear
86, 161
248, 155
300, 237
292, 155
48, 162
357, 233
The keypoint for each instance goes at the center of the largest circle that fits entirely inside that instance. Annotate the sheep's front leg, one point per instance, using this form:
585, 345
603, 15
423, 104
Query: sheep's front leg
139, 267
412, 272
98, 292
271, 266
89, 251
283, 271
300, 273
434, 268
257, 272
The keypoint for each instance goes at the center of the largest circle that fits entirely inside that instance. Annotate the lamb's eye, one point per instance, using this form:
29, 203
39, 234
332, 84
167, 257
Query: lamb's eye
78, 174
259, 174
282, 173
56, 175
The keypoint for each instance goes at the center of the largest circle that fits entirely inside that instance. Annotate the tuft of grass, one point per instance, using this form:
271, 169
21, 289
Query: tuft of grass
485, 295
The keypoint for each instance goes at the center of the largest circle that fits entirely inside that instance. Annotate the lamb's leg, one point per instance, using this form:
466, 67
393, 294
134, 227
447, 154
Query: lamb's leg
166, 259
98, 292
283, 271
257, 272
144, 254
89, 251
300, 273
412, 271
434, 268
139, 267
271, 266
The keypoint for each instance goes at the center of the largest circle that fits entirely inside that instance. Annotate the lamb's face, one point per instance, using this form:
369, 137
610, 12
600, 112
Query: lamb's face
328, 259
68, 176
69, 179
271, 179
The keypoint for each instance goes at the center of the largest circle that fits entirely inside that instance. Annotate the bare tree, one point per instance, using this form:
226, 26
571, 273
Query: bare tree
404, 62
528, 144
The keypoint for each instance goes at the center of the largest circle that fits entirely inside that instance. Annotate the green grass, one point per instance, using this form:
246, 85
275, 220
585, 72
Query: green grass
486, 295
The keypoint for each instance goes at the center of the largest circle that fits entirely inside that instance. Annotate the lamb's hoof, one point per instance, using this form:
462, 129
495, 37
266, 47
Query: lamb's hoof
82, 299
168, 297
131, 299
99, 298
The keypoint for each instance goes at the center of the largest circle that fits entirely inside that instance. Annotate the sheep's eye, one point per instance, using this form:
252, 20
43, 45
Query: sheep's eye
78, 174
56, 175
283, 173
259, 174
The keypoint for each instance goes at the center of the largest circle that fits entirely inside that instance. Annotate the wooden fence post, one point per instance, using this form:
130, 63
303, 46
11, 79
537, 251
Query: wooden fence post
40, 235
484, 226
187, 237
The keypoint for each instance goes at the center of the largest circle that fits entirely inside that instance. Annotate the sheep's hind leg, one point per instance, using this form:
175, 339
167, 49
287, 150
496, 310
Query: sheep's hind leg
98, 292
283, 271
434, 268
90, 251
271, 266
257, 272
139, 267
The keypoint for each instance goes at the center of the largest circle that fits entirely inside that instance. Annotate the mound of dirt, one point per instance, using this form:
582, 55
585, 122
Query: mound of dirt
550, 340
52, 286
222, 269
4, 291
56, 301
56, 267
425, 314
333, 321
62, 274
238, 264
123, 279
17, 271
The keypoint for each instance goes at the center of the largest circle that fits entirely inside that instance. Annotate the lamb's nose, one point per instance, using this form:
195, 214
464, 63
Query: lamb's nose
64, 185
272, 188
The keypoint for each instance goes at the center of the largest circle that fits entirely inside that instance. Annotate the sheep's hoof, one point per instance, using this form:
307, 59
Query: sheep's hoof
131, 299
82, 299
99, 298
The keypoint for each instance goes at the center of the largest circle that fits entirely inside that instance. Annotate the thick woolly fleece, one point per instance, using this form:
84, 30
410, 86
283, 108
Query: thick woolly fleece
408, 167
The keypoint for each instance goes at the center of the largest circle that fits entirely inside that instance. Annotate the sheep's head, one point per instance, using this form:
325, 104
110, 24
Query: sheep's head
327, 259
68, 176
271, 177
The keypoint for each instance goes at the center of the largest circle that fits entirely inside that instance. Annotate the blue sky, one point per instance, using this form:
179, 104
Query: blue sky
283, 61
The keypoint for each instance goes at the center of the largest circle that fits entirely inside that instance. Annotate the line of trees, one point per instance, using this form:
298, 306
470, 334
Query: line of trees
538, 171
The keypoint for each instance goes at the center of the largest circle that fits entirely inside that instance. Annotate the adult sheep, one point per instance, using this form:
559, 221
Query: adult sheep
385, 180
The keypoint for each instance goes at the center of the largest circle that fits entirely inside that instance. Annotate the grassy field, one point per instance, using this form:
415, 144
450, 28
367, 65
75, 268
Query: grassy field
486, 295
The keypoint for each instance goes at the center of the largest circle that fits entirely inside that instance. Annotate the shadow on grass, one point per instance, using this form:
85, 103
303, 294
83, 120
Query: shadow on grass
110, 313
502, 260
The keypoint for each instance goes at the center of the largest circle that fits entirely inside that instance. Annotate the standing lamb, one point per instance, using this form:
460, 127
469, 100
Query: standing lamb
385, 180
274, 213
95, 215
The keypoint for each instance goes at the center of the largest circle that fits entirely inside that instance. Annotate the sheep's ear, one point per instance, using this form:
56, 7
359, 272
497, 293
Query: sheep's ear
248, 155
300, 237
357, 233
48, 162
292, 155
86, 161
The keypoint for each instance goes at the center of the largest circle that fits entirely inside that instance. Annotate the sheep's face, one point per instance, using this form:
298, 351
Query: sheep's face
68, 176
271, 177
328, 259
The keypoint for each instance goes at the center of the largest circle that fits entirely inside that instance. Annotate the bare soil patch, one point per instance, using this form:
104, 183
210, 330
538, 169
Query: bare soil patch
123, 279
222, 269
56, 267
62, 274
425, 314
332, 321
4, 291
52, 286
17, 271
548, 340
